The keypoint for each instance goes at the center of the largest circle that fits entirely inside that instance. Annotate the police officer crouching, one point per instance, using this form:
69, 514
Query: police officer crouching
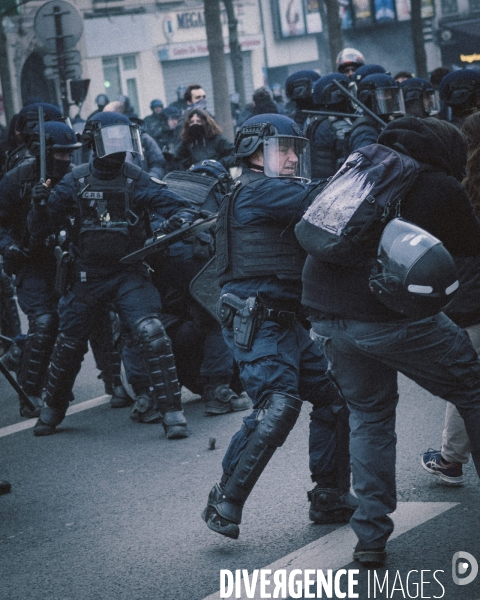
108, 201
259, 265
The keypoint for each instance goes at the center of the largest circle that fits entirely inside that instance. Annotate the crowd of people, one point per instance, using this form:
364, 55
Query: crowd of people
288, 327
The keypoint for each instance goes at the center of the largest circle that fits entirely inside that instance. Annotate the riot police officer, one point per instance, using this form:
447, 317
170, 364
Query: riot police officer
382, 95
25, 124
327, 133
298, 89
108, 201
259, 265
34, 266
460, 90
420, 98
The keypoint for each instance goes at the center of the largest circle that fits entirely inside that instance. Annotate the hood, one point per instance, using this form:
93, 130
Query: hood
431, 141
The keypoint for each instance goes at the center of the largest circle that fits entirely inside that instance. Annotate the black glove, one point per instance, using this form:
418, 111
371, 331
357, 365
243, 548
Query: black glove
172, 224
40, 194
13, 259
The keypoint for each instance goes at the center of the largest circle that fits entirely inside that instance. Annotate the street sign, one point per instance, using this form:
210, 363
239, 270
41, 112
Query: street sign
73, 71
71, 57
54, 16
51, 72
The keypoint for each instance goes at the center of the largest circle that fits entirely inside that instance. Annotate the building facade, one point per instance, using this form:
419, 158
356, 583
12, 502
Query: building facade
147, 51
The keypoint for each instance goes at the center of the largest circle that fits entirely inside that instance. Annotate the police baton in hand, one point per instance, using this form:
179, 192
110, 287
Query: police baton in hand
43, 151
358, 103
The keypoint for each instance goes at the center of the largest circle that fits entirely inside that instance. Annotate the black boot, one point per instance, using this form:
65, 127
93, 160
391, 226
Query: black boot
328, 505
33, 364
214, 520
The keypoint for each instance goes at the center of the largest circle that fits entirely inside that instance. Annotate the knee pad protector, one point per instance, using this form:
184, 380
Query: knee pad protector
280, 415
151, 334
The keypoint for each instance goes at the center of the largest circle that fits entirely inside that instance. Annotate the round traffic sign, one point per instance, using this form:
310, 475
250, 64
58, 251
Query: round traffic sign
58, 19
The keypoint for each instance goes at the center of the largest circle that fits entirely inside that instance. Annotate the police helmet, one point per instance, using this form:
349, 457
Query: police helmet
349, 57
461, 88
286, 153
421, 90
326, 93
112, 132
382, 94
172, 112
298, 85
28, 116
416, 275
101, 100
365, 70
58, 136
156, 104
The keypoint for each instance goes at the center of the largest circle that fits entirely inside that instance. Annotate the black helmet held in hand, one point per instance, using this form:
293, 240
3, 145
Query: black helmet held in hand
416, 275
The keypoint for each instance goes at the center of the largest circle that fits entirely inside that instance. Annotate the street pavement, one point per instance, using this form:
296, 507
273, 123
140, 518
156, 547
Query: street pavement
108, 509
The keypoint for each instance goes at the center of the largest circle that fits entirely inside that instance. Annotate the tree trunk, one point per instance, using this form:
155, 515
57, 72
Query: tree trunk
235, 51
218, 68
5, 78
417, 37
334, 27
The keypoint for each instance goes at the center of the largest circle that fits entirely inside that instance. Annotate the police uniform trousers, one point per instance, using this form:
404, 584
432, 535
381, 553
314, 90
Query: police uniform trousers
288, 361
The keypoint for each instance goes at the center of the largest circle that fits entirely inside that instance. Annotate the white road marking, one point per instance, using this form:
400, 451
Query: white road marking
75, 408
334, 551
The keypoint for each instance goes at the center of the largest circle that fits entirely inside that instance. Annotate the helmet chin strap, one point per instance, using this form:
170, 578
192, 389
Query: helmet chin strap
254, 166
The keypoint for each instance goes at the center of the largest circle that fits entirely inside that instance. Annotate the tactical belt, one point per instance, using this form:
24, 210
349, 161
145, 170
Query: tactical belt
246, 316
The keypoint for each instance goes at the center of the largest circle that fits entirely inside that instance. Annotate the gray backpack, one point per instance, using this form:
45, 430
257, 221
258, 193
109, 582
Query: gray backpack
344, 222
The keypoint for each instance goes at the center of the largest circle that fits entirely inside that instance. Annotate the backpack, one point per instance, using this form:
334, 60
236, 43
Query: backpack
344, 223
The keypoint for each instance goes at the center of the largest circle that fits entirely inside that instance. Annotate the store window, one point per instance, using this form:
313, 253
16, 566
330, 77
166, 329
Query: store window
120, 78
450, 7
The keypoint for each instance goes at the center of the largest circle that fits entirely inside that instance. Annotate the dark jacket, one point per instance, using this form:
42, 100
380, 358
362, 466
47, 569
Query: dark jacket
64, 203
217, 148
365, 131
437, 201
326, 135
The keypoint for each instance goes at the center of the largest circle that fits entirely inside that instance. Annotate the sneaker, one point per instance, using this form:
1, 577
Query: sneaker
42, 429
219, 524
370, 557
221, 400
328, 506
450, 473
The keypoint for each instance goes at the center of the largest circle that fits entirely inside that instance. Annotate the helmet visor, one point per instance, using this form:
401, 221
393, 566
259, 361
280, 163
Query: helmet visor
431, 102
117, 138
287, 156
390, 101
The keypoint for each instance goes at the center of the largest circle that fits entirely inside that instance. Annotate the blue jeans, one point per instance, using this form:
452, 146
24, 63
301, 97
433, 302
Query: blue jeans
365, 359
290, 362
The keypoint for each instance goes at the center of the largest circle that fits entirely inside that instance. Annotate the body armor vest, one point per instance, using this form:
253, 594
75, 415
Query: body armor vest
110, 224
254, 250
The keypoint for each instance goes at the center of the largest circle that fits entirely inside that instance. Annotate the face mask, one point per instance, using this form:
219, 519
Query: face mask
202, 104
111, 162
60, 168
196, 132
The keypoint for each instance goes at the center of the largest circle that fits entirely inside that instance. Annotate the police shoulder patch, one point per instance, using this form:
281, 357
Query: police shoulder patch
158, 181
